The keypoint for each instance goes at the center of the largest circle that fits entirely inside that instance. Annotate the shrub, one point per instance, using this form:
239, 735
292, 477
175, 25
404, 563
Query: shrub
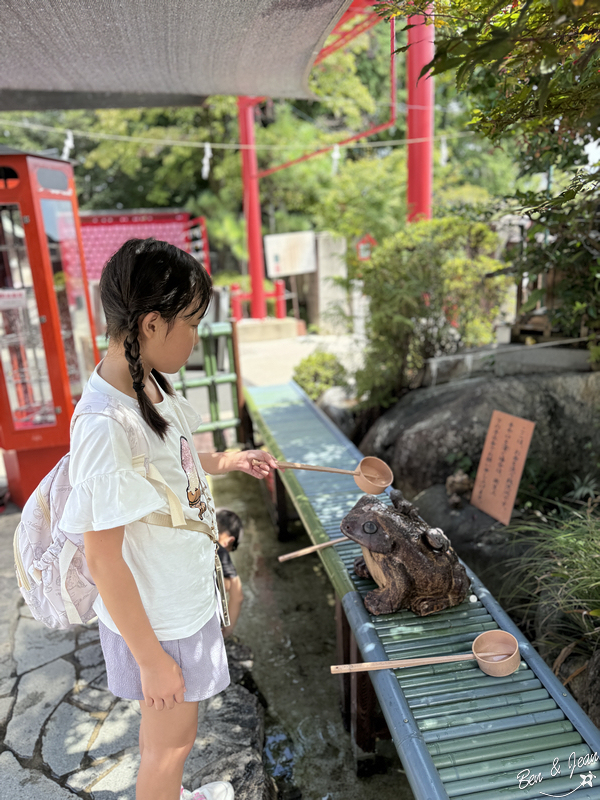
563, 244
428, 294
318, 372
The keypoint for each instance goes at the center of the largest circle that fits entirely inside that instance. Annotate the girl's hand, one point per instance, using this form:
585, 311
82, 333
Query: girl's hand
245, 463
162, 683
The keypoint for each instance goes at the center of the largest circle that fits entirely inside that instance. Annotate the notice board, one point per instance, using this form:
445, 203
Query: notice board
501, 465
288, 254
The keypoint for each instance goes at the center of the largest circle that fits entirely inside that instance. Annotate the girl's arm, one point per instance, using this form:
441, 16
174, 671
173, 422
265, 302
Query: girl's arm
218, 463
162, 680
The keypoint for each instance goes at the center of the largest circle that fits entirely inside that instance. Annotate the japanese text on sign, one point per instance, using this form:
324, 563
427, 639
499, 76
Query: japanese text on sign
501, 465
12, 298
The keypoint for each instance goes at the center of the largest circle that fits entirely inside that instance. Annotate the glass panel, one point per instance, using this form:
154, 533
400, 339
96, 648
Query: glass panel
59, 226
55, 179
21, 345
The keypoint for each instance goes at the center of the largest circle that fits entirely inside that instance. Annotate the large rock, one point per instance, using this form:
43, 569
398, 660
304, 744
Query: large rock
340, 408
417, 435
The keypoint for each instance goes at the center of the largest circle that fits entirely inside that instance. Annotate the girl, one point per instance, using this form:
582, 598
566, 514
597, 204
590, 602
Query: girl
157, 610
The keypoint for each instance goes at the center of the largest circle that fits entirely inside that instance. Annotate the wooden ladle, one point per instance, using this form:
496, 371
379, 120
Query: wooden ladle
496, 652
372, 475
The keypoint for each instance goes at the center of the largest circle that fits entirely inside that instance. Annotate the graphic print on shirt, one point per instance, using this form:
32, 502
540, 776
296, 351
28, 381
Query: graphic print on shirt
196, 486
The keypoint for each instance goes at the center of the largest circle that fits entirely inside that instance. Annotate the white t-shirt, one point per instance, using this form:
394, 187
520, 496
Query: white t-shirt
173, 568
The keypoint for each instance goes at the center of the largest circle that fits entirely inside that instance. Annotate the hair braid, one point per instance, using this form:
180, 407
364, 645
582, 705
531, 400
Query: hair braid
131, 344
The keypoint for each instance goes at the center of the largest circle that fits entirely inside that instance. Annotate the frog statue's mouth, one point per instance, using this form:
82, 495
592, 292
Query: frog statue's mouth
362, 526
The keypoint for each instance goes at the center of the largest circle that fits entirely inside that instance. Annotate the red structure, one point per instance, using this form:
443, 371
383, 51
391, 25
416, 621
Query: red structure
420, 120
103, 232
420, 127
256, 263
361, 15
200, 222
364, 247
238, 297
47, 338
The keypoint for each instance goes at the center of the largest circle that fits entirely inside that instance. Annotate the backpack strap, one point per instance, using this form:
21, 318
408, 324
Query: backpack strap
165, 521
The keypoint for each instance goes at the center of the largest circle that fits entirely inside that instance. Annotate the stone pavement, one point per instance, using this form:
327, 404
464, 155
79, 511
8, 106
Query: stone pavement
62, 733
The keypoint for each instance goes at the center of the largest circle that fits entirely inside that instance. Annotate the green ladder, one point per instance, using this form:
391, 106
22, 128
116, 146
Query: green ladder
209, 334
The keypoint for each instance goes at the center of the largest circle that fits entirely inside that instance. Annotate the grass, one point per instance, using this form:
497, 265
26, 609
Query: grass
557, 586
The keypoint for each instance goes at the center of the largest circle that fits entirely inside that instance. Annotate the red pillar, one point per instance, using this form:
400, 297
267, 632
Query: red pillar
420, 120
256, 265
280, 302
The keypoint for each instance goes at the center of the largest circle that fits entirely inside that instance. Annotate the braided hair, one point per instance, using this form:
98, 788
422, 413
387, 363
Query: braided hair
143, 276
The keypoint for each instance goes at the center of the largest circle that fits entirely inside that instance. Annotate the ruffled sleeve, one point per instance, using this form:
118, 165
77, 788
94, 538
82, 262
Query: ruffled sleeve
106, 490
192, 418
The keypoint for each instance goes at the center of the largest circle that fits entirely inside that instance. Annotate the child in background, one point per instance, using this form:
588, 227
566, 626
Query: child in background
230, 533
159, 625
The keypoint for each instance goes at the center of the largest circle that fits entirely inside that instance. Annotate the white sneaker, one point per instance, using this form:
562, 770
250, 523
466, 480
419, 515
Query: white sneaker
218, 790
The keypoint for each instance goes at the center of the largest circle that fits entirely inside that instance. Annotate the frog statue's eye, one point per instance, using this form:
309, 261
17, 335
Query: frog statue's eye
369, 527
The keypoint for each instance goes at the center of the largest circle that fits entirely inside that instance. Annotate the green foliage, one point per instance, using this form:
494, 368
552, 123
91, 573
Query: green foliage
367, 196
461, 461
531, 69
561, 570
594, 355
564, 241
539, 484
318, 372
243, 281
584, 488
428, 294
528, 62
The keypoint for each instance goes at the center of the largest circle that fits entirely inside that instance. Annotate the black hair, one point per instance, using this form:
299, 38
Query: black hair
143, 276
229, 521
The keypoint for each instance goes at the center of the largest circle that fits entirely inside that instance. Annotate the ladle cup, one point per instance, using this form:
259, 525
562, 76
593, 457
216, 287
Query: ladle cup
496, 653
372, 475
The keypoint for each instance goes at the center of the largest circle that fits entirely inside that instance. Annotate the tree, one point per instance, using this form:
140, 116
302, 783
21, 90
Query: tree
530, 67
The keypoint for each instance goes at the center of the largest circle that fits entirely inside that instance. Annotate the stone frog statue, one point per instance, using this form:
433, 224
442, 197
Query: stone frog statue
413, 564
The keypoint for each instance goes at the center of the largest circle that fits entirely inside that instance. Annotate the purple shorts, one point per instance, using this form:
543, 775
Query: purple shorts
202, 659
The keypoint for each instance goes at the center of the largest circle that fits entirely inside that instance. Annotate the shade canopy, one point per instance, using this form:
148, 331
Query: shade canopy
115, 54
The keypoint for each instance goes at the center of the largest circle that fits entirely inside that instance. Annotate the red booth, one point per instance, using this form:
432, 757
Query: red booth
47, 339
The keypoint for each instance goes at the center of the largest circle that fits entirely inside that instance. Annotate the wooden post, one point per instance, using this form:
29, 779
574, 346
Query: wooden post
342, 652
363, 705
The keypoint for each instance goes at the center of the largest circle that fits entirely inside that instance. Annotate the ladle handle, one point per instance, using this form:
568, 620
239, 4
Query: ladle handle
371, 666
293, 465
312, 549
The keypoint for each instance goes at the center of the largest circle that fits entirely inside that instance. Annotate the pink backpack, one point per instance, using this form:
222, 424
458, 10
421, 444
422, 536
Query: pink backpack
50, 563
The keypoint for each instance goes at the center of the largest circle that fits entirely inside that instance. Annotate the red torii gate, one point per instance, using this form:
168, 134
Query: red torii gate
420, 133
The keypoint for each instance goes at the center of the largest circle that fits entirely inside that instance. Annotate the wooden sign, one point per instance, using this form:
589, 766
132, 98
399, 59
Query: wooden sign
501, 465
